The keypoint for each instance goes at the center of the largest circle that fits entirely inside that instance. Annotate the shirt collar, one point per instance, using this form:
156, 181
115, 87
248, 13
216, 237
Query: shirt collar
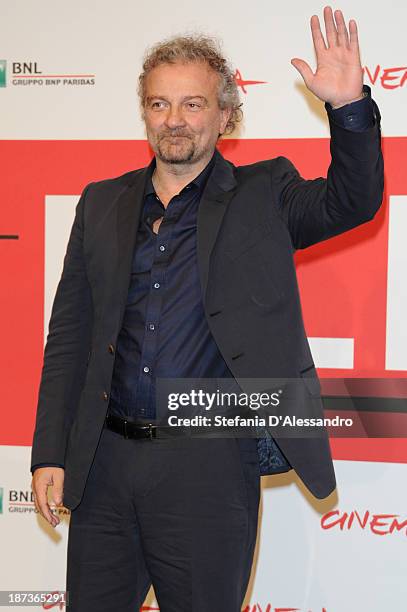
199, 181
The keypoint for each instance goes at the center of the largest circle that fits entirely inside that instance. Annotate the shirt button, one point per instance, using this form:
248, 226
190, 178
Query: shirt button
156, 285
111, 349
162, 247
151, 326
146, 369
105, 396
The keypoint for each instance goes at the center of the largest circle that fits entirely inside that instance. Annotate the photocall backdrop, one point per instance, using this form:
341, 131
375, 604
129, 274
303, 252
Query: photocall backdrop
69, 115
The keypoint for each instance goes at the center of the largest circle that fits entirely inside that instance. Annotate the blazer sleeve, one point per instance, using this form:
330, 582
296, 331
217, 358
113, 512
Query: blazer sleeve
315, 210
39, 465
66, 351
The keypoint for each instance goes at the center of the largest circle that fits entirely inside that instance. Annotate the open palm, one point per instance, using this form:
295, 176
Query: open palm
338, 78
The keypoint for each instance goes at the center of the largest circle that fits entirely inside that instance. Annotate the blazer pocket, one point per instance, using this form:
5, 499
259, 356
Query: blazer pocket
252, 258
260, 285
253, 238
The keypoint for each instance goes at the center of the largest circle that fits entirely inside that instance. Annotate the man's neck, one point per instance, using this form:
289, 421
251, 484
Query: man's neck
170, 179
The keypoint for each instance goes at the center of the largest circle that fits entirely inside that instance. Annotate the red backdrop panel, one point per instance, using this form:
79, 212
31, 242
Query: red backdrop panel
342, 281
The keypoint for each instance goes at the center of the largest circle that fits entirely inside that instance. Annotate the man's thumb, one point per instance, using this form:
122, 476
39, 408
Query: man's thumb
303, 68
57, 494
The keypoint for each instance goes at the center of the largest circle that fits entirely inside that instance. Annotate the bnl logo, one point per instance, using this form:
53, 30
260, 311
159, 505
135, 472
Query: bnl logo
3, 66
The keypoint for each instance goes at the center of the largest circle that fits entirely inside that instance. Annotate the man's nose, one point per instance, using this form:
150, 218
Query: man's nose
175, 117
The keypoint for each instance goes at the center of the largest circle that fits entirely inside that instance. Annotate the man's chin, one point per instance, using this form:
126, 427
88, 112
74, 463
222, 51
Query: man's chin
176, 157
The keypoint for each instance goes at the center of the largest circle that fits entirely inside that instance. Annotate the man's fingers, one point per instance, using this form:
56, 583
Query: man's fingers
353, 34
330, 27
42, 504
58, 489
318, 39
343, 37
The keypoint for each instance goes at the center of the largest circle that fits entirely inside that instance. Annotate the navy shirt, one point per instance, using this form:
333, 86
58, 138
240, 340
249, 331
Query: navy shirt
164, 332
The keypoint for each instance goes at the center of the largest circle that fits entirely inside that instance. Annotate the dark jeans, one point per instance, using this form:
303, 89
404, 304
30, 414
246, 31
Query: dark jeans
178, 513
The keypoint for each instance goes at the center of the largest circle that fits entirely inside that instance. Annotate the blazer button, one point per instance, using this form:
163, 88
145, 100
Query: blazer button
105, 396
111, 349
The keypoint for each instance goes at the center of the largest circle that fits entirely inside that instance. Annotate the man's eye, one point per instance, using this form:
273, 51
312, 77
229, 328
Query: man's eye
194, 105
157, 104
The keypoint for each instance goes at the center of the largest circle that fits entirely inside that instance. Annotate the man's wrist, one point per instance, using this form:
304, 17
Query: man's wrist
356, 116
363, 94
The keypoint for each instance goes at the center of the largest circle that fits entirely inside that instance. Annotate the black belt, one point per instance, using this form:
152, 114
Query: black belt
132, 429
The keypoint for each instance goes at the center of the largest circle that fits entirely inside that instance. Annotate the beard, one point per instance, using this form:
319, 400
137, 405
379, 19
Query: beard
177, 148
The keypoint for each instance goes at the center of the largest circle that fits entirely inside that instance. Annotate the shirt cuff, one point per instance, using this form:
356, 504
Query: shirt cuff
37, 465
356, 116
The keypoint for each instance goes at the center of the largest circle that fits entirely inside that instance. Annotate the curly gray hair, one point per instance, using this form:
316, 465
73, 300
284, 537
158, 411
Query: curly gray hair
195, 48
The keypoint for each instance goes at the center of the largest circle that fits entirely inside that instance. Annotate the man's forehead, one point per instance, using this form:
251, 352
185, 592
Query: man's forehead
181, 83
199, 70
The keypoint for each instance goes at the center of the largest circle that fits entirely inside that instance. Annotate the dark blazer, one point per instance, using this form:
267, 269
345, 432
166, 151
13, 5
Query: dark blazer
251, 219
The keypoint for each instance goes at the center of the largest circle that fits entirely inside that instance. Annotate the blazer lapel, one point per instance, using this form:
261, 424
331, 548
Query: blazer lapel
218, 192
129, 207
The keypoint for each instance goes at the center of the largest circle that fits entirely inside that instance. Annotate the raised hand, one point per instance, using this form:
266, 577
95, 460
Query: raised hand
338, 78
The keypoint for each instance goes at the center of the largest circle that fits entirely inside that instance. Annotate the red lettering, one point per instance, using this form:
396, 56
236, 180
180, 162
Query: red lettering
376, 522
361, 523
48, 606
373, 78
386, 76
258, 608
399, 526
325, 524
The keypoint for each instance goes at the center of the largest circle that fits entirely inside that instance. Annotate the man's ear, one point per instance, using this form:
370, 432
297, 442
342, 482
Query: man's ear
225, 116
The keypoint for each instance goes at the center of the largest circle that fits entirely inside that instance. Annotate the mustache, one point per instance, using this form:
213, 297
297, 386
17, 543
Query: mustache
174, 133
